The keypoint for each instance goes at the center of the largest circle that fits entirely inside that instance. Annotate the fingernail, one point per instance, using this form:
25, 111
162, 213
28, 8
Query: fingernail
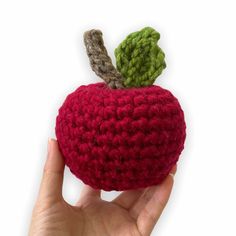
172, 175
49, 145
173, 171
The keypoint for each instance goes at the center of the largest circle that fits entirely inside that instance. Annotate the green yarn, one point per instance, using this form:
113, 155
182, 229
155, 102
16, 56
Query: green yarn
139, 59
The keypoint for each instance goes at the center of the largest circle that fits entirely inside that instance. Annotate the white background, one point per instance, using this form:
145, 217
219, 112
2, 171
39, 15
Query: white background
42, 59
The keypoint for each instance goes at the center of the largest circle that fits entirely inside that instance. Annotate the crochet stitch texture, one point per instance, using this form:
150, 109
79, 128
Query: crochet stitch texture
139, 59
120, 139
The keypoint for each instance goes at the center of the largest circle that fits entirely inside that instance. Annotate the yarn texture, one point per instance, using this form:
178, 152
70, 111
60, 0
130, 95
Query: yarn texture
139, 59
120, 139
100, 62
125, 133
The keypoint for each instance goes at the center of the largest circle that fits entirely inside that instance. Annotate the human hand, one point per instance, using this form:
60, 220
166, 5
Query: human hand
133, 212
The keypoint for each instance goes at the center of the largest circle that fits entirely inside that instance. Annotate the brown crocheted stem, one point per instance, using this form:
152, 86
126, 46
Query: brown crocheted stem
100, 61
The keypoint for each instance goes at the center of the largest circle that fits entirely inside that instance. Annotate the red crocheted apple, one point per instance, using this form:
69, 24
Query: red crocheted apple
125, 133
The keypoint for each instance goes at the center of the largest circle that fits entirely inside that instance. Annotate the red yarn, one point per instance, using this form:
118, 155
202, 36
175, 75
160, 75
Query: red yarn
119, 139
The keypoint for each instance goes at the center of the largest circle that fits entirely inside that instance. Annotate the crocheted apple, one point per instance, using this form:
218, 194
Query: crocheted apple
125, 133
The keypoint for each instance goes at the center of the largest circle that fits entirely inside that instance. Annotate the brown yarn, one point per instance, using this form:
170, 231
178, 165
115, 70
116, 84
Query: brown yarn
100, 61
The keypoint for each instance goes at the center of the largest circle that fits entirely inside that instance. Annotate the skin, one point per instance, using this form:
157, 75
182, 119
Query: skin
132, 213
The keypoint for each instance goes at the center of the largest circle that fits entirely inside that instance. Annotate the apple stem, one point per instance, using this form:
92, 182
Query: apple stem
100, 61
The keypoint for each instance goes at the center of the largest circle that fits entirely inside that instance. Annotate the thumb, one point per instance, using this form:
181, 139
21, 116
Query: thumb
52, 180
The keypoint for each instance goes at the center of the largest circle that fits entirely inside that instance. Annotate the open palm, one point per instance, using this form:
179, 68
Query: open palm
133, 212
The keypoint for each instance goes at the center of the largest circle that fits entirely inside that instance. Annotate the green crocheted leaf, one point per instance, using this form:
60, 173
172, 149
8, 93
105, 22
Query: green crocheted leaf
139, 59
